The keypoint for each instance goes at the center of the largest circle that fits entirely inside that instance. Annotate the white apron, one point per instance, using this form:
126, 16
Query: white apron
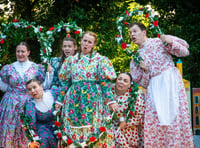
164, 94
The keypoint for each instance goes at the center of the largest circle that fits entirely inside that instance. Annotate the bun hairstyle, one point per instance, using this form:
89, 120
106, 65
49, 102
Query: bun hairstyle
95, 41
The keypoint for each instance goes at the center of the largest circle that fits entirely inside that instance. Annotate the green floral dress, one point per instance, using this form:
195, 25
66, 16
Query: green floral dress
89, 90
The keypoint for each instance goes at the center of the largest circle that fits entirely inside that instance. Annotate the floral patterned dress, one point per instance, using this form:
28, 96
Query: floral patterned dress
166, 115
41, 113
89, 91
55, 63
132, 135
12, 103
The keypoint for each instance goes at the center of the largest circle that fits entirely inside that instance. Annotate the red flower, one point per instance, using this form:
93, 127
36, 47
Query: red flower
123, 45
52, 28
56, 123
130, 90
131, 113
69, 141
155, 23
45, 51
125, 23
1, 41
158, 35
59, 135
28, 26
40, 29
102, 129
118, 36
76, 32
15, 20
92, 139
147, 15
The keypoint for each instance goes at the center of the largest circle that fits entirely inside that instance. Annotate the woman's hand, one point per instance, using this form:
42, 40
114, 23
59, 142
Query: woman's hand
122, 124
144, 67
166, 39
114, 107
49, 68
57, 106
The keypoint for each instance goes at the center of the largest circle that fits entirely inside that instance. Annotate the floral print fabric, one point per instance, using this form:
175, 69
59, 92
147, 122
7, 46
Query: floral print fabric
12, 103
89, 91
132, 135
43, 123
158, 58
55, 63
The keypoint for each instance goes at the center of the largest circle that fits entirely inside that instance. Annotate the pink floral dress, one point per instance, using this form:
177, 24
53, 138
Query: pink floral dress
132, 135
12, 103
167, 121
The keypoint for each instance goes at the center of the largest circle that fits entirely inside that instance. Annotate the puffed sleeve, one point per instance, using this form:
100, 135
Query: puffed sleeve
4, 78
31, 113
4, 73
55, 92
106, 73
178, 48
138, 75
138, 114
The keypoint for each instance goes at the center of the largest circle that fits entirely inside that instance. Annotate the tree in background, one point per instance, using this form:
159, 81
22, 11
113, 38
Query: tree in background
176, 17
180, 18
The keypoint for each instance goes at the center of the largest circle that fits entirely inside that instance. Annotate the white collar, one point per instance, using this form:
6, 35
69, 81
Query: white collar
22, 67
45, 103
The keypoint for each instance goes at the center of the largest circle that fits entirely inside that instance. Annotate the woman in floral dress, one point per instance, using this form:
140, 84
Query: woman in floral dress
41, 112
88, 76
13, 80
166, 114
128, 134
69, 48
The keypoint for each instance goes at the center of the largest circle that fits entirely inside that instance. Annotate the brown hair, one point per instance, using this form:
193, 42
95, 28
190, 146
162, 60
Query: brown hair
140, 25
24, 44
63, 54
33, 80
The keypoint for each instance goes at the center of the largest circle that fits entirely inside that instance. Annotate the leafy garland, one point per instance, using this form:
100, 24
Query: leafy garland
122, 23
133, 93
46, 38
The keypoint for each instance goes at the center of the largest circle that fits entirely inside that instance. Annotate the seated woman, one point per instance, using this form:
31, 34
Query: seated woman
127, 134
40, 109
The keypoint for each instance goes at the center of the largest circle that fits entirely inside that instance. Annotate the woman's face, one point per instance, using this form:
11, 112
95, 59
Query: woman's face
137, 35
123, 82
22, 53
35, 90
87, 43
68, 48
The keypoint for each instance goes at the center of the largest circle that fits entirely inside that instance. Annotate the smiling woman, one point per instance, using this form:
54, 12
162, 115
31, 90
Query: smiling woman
13, 80
128, 124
